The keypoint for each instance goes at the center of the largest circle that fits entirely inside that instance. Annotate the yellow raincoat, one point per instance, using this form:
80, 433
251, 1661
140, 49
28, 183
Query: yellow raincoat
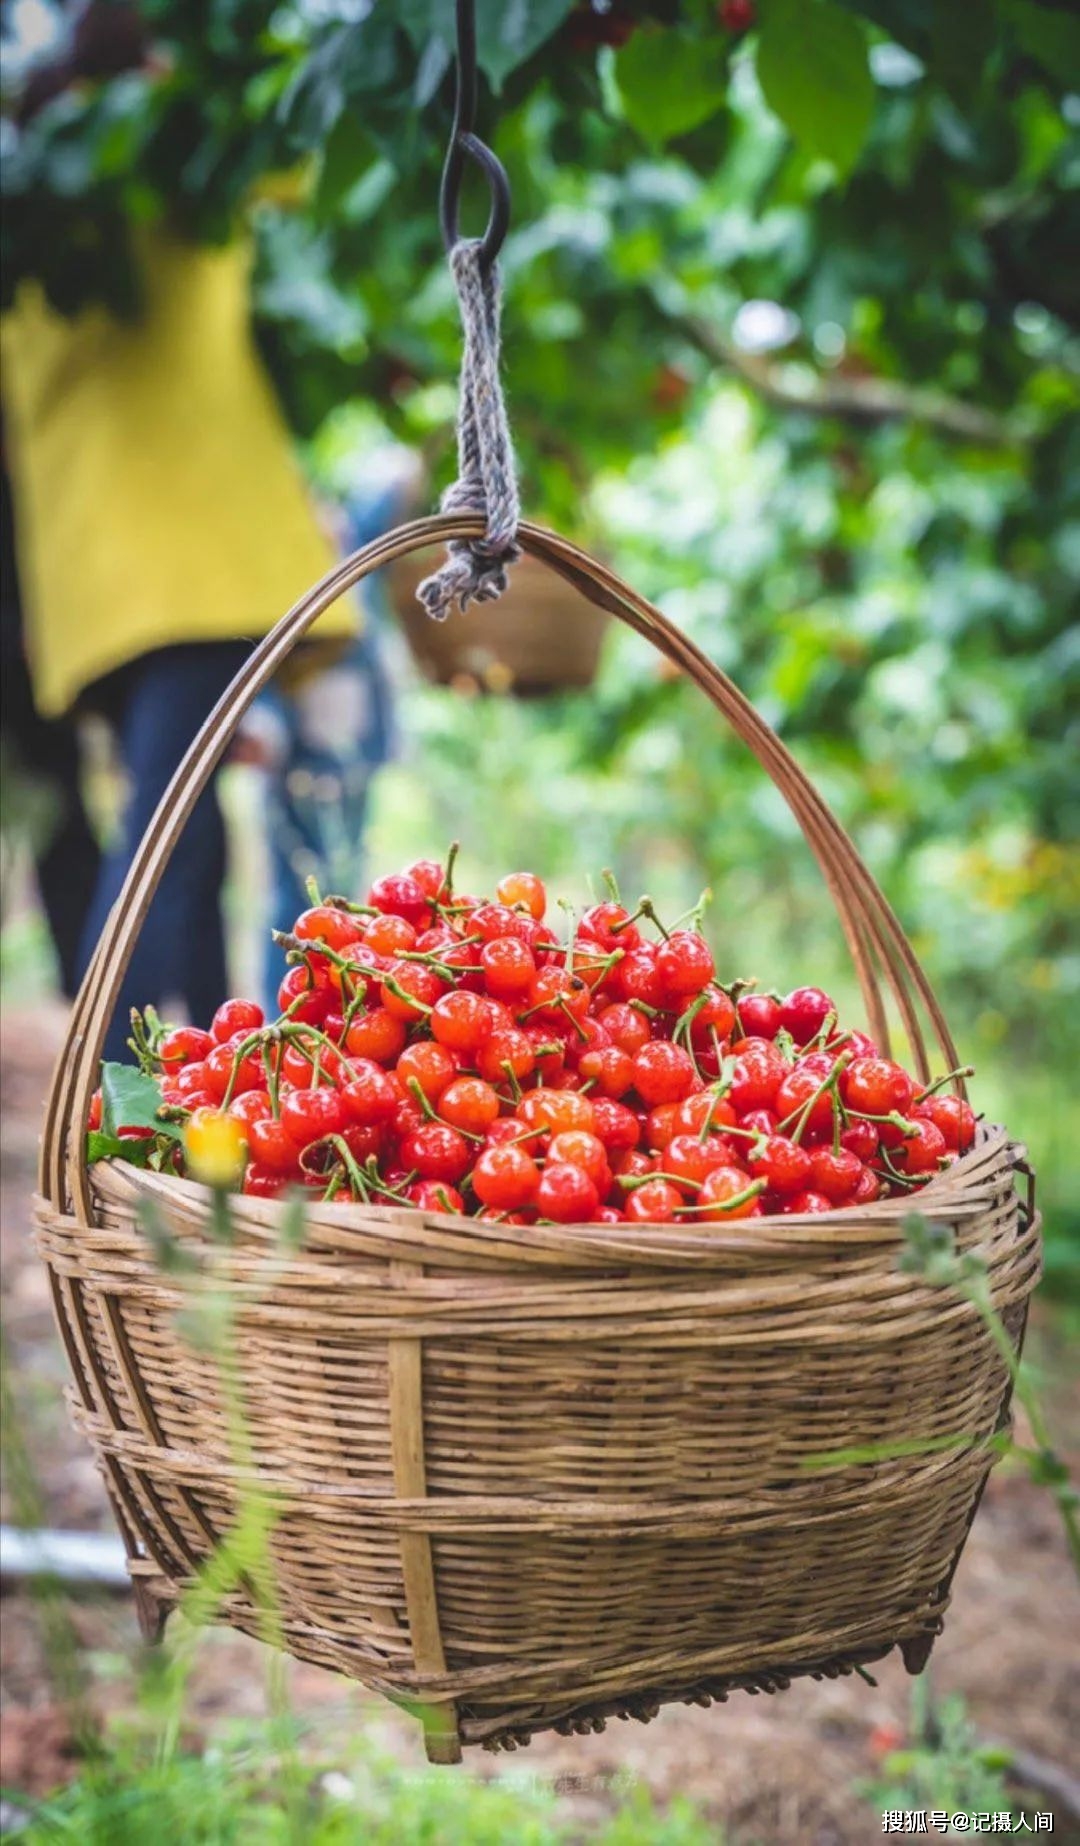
156, 496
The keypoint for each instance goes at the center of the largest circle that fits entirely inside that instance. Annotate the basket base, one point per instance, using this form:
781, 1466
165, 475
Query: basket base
494, 1734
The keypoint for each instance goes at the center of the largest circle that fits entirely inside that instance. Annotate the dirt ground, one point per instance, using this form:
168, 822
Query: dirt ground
773, 1771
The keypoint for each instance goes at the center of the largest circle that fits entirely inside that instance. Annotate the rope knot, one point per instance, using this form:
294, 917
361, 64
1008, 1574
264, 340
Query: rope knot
476, 568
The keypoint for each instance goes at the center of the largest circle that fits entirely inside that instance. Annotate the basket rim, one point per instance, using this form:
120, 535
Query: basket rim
964, 1192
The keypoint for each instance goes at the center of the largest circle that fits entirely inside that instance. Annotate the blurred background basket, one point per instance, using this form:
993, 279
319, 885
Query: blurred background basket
541, 637
533, 1477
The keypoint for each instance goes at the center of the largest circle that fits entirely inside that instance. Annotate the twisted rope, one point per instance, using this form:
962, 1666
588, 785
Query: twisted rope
476, 569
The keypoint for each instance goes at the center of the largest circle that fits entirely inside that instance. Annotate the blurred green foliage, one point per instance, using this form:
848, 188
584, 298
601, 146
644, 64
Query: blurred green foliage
232, 1795
792, 335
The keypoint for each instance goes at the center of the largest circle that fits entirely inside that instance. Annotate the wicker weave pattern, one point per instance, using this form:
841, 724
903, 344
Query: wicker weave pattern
533, 1477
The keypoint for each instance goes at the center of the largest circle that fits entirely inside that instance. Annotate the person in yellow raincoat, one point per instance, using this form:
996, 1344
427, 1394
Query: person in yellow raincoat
162, 525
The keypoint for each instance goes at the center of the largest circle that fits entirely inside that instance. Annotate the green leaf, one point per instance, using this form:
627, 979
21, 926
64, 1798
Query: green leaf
100, 1146
961, 43
131, 1099
1048, 34
813, 69
670, 82
507, 31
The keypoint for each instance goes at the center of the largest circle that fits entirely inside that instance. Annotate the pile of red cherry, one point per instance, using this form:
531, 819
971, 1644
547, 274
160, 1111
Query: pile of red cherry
446, 1052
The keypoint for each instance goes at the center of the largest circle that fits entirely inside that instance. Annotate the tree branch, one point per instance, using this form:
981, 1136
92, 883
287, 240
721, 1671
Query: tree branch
865, 400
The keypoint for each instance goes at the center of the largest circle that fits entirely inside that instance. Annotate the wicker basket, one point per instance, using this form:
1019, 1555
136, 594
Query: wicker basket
534, 1477
540, 637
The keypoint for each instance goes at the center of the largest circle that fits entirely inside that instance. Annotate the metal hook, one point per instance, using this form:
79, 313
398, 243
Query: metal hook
464, 143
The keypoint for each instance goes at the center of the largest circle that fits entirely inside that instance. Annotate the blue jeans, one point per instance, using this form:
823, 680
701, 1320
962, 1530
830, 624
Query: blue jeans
156, 704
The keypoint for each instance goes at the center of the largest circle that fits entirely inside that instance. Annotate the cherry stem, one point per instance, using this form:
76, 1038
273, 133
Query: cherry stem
801, 1115
646, 908
451, 861
564, 1007
347, 904
693, 918
272, 1089
416, 1089
632, 1181
705, 1130
965, 1070
371, 1174
749, 1192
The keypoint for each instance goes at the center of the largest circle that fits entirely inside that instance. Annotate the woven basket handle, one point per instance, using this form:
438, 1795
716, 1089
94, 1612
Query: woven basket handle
884, 960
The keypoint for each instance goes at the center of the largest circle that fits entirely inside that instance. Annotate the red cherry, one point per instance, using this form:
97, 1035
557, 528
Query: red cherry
953, 1118
431, 877
638, 978
428, 1064
723, 1194
783, 1163
524, 890
184, 1045
759, 1072
656, 1202
610, 1069
581, 1149
363, 1139
554, 994
461, 1021
311, 1115
861, 1139
615, 1125
469, 1104
377, 1035
759, 1016
302, 998
235, 1016
566, 1194
410, 990
370, 1095
609, 926
324, 923
559, 1111
876, 1086
400, 896
436, 1151
663, 1072
626, 1027
867, 1190
262, 1182
922, 1152
251, 1106
804, 1012
389, 935
660, 1126
703, 1107
685, 965
688, 1158
509, 967
493, 921
713, 1014
835, 1175
802, 1106
272, 1147
504, 1056
436, 1195
505, 1178
806, 1205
